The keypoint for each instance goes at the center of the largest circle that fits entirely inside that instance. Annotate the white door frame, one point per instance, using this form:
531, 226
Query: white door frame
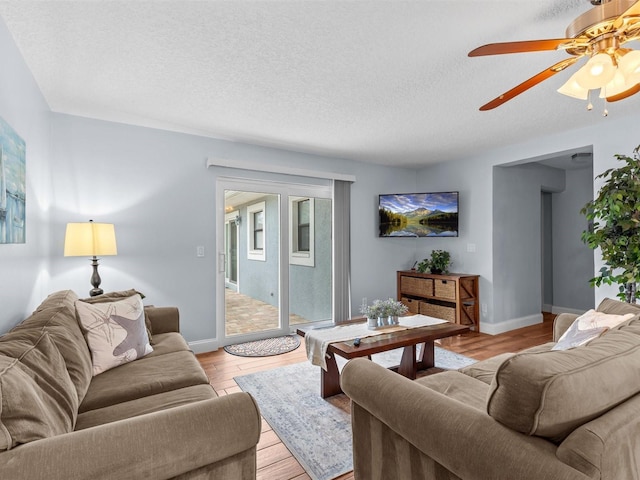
228, 218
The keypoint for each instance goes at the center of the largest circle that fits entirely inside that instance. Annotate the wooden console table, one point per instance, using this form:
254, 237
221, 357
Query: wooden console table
453, 296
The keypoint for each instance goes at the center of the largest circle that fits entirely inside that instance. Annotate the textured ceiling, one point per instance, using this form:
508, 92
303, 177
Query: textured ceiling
386, 82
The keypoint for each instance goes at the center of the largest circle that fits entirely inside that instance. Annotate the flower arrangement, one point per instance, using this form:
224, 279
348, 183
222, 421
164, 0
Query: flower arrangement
384, 308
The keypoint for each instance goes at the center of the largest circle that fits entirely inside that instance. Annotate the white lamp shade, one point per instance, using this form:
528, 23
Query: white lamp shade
90, 239
597, 72
629, 65
573, 89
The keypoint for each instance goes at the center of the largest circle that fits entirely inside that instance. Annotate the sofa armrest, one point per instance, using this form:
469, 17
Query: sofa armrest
158, 445
464, 440
561, 323
163, 319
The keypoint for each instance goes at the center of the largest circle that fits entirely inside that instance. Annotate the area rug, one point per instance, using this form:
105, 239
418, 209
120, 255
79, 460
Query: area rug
317, 431
266, 347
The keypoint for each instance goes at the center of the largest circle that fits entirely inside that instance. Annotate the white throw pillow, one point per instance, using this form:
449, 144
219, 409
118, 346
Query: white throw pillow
594, 319
588, 326
115, 331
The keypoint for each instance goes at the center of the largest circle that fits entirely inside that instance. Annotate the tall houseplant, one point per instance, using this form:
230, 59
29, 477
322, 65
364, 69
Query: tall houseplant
615, 214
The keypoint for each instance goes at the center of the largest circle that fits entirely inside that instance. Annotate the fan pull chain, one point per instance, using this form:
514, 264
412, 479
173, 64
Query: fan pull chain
605, 112
589, 104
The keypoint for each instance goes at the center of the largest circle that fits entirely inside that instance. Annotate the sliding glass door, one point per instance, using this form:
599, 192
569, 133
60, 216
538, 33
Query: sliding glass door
274, 258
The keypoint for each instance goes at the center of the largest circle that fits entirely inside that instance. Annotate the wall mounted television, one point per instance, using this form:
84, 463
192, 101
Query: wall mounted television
418, 214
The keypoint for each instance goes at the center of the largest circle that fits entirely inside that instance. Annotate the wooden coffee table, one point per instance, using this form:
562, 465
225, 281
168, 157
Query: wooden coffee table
407, 339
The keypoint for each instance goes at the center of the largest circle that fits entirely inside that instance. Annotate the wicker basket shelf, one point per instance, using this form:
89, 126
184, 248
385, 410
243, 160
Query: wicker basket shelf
453, 297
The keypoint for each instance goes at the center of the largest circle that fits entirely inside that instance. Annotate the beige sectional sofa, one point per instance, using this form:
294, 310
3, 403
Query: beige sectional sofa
156, 417
538, 414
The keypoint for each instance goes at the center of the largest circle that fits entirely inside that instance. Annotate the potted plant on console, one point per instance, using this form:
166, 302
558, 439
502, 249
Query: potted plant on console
439, 262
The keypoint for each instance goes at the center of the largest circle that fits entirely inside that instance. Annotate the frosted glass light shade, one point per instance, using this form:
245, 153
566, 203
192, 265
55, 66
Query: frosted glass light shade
573, 89
597, 72
90, 239
615, 86
629, 65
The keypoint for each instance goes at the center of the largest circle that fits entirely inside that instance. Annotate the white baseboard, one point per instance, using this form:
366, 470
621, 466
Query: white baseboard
559, 310
204, 346
496, 328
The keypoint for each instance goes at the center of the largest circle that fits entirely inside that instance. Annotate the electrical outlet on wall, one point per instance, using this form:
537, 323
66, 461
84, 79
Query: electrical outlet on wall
199, 251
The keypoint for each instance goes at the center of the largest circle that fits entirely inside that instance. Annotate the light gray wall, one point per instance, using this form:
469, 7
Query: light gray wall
547, 251
573, 260
153, 185
473, 176
24, 268
516, 237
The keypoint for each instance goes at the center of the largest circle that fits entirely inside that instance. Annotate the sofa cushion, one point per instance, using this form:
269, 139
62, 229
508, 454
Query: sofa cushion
616, 307
115, 332
37, 398
550, 393
484, 370
62, 298
144, 405
458, 386
147, 376
63, 328
164, 343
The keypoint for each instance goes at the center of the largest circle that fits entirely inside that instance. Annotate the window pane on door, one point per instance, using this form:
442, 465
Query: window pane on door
254, 304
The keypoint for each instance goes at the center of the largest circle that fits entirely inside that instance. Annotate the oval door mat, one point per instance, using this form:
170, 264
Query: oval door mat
266, 347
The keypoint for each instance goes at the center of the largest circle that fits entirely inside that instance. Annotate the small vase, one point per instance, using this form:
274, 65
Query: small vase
382, 321
392, 320
372, 323
436, 271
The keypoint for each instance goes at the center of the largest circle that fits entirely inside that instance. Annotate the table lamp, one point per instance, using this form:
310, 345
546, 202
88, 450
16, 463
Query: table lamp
90, 239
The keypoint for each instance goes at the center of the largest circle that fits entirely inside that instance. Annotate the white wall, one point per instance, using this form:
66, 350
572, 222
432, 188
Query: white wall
24, 267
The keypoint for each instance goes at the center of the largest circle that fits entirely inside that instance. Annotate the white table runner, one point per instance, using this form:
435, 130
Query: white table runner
317, 341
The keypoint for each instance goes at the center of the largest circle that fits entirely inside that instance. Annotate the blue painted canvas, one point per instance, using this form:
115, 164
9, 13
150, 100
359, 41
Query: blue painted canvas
13, 185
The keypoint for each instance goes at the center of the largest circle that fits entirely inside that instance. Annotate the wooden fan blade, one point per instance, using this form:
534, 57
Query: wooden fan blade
519, 47
632, 11
526, 85
627, 93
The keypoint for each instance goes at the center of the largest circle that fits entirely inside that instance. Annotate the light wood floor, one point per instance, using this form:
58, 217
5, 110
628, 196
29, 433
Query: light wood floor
275, 462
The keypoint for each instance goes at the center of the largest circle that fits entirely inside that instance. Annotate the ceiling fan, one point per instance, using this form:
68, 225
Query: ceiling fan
599, 33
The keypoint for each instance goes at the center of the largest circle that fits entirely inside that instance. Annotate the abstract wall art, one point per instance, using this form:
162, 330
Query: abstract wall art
12, 185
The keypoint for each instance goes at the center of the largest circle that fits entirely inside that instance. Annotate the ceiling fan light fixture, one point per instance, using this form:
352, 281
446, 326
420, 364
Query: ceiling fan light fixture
615, 86
573, 89
597, 72
629, 65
